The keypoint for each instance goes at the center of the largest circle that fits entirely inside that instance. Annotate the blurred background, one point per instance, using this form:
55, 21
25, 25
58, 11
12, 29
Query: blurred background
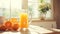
42, 11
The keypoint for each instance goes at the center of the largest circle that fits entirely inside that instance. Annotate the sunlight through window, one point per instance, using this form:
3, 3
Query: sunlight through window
33, 6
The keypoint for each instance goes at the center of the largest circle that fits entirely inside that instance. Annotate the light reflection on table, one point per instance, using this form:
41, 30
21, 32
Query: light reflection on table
31, 30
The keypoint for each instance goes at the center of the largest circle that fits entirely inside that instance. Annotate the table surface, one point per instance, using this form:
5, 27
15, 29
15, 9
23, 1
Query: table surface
32, 30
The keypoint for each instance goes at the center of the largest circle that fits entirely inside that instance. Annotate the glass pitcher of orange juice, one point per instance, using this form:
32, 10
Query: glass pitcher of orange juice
24, 19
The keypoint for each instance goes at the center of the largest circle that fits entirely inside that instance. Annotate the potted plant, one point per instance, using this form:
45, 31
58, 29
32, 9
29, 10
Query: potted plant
43, 8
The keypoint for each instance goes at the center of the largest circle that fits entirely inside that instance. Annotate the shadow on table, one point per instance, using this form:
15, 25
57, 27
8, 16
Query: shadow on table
26, 31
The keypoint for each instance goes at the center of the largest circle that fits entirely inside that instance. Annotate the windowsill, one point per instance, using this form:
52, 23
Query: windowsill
38, 20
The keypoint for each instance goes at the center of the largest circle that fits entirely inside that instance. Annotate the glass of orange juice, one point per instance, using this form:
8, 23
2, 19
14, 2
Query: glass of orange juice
24, 19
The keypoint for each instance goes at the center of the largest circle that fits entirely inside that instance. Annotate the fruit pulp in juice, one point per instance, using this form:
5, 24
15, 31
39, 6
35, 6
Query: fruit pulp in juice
24, 20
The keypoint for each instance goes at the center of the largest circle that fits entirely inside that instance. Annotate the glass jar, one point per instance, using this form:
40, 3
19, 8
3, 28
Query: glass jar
25, 19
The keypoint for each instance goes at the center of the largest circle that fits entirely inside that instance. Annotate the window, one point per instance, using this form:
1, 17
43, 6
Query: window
5, 8
10, 8
33, 6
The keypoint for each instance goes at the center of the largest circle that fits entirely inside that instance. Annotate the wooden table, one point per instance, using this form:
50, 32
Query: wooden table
32, 30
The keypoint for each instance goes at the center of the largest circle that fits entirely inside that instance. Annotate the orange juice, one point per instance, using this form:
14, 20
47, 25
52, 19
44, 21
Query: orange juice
23, 20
